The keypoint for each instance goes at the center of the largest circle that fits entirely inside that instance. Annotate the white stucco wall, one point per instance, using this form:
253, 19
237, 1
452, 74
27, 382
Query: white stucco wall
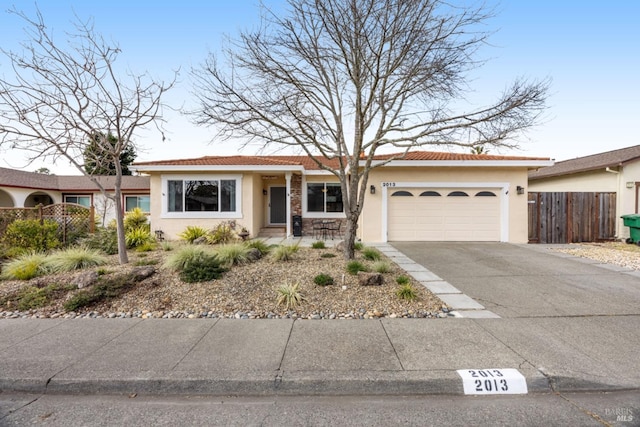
370, 227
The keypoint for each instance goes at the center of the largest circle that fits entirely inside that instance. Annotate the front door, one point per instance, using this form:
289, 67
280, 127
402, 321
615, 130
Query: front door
278, 205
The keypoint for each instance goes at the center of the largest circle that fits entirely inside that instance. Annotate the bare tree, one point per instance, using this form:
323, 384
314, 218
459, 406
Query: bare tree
346, 78
63, 96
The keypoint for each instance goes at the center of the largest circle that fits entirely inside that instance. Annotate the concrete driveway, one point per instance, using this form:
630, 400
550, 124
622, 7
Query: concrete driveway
529, 280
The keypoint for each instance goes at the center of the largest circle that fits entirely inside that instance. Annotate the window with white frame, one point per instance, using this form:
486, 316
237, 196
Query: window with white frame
325, 197
142, 202
77, 199
211, 195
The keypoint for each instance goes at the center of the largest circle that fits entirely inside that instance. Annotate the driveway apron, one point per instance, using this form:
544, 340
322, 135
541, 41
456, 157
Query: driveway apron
529, 280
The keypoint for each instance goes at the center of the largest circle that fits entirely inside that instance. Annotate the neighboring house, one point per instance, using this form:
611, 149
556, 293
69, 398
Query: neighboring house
615, 173
20, 189
425, 196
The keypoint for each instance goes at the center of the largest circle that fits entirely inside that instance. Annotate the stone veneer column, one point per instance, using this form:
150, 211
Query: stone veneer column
296, 195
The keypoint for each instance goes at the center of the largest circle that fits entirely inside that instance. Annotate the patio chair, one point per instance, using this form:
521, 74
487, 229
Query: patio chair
333, 227
317, 228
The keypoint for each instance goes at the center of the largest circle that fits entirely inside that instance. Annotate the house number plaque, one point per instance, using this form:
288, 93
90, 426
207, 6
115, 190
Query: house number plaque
493, 381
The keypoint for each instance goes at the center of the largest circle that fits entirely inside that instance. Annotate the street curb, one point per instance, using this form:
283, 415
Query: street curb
315, 383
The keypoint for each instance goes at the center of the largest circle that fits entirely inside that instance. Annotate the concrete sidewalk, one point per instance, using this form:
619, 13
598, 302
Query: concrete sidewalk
564, 350
361, 357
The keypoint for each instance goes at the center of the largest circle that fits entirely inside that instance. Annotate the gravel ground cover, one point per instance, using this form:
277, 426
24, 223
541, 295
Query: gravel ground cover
247, 291
617, 253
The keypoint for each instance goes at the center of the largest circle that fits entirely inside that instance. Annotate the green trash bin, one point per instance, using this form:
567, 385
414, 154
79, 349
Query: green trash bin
633, 222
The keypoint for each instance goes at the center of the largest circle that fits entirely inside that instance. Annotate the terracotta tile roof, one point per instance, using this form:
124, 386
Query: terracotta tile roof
67, 183
304, 161
433, 155
309, 164
584, 164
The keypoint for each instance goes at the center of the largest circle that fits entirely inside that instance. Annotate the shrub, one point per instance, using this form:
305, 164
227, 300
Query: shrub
354, 266
372, 254
192, 232
202, 269
318, 245
223, 233
358, 246
407, 292
104, 239
145, 261
104, 289
233, 254
290, 296
33, 297
30, 235
166, 246
136, 237
74, 258
402, 280
147, 246
258, 244
284, 252
323, 280
185, 255
25, 267
328, 255
381, 267
135, 218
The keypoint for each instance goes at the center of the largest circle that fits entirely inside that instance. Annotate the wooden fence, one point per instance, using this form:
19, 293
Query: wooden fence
571, 217
72, 219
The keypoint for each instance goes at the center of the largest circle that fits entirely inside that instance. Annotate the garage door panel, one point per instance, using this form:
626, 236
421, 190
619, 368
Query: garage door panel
444, 218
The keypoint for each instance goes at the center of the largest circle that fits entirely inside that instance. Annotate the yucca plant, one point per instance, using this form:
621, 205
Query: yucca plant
289, 295
135, 218
407, 292
136, 237
74, 258
192, 232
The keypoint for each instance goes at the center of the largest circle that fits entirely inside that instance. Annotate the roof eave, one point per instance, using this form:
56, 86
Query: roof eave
214, 168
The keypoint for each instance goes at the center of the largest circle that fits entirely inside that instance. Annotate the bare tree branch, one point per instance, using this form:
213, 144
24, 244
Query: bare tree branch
338, 78
63, 96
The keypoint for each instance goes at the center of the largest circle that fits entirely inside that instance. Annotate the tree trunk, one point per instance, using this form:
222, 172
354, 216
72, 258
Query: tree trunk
350, 235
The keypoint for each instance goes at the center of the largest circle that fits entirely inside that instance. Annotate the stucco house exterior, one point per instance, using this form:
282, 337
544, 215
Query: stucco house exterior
21, 189
616, 171
426, 196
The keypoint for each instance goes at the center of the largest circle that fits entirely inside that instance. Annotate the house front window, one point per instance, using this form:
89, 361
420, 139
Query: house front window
142, 202
79, 200
211, 196
324, 197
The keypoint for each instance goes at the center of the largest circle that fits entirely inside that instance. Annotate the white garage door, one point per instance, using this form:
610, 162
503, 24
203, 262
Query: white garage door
455, 214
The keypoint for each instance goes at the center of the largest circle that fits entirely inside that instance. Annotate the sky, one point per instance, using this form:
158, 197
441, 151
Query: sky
589, 50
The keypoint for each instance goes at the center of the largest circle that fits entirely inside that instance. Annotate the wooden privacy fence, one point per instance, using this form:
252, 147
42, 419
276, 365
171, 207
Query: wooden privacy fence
571, 217
73, 220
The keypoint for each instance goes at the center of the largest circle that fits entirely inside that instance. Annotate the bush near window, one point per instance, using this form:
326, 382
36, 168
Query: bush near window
30, 235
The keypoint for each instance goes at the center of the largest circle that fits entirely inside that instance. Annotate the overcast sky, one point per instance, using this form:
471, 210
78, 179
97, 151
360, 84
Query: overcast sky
590, 50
